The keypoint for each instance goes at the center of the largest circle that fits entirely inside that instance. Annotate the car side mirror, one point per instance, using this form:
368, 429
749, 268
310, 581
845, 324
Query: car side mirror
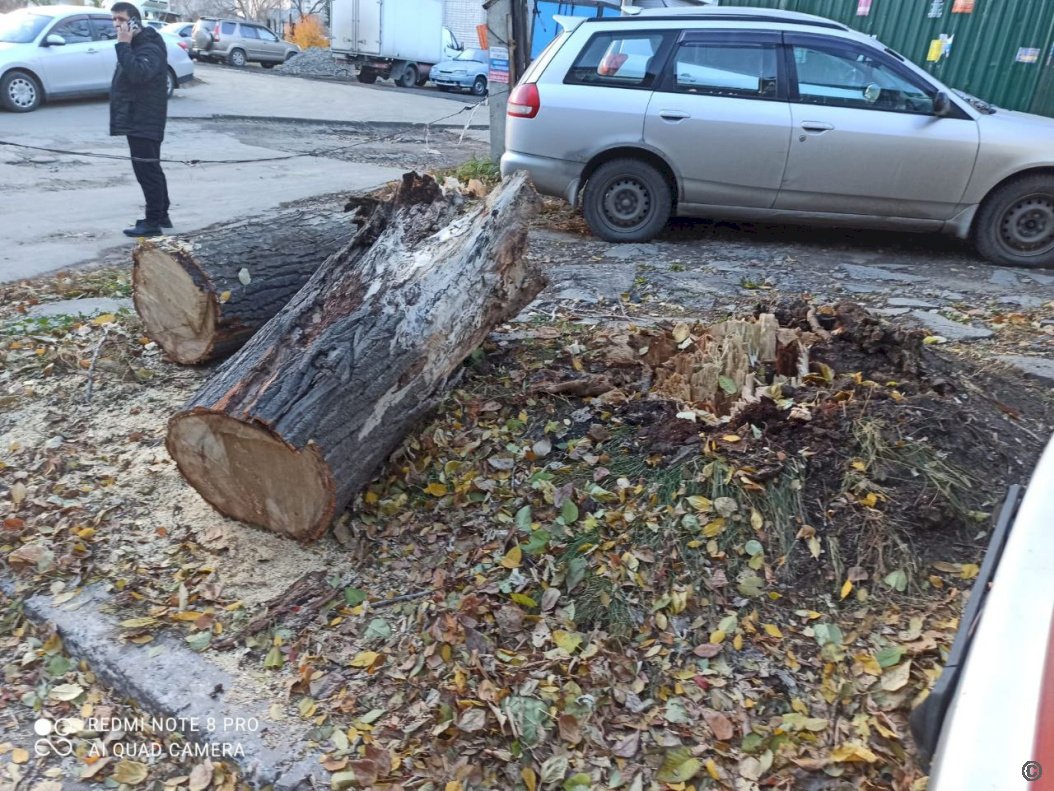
942, 105
55, 40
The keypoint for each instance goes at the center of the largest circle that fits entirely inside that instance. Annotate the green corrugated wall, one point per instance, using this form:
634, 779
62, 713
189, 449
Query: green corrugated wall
983, 55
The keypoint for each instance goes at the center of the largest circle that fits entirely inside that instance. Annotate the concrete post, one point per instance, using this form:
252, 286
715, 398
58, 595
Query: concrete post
499, 34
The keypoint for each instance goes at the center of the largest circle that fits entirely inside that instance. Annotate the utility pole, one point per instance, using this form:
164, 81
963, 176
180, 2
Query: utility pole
508, 38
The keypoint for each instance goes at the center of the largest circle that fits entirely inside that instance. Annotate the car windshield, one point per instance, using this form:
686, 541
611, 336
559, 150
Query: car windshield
980, 105
21, 28
471, 54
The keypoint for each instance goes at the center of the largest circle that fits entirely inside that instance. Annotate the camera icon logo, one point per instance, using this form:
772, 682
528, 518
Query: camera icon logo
53, 739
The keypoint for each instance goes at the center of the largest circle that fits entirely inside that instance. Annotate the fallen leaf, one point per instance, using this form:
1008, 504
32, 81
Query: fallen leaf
365, 659
201, 776
897, 677
720, 725
513, 558
19, 756
66, 692
628, 747
130, 772
570, 731
679, 766
473, 720
435, 489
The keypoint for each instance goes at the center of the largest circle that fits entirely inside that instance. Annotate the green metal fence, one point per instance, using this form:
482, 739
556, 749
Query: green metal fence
1001, 51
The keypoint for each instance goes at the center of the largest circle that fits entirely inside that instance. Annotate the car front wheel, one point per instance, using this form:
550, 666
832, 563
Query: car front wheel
1015, 225
479, 87
20, 92
626, 200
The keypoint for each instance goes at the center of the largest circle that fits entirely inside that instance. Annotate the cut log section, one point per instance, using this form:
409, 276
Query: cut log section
293, 426
202, 296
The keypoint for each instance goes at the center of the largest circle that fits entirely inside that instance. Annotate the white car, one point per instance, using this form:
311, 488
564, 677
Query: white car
989, 720
54, 52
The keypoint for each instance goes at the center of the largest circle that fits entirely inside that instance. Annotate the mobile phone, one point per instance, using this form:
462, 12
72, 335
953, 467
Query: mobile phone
133, 25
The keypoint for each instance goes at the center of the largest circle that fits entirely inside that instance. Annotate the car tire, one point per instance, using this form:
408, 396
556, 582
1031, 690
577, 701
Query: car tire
367, 76
170, 83
479, 86
1015, 224
443, 88
290, 55
266, 65
20, 92
237, 58
408, 78
627, 200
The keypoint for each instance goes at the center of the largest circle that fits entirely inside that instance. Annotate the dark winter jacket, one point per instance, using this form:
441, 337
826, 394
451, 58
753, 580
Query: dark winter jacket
139, 92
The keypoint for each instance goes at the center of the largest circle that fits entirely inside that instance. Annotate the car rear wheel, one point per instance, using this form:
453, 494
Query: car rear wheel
367, 76
170, 83
266, 65
1015, 225
20, 92
237, 58
408, 78
626, 200
479, 87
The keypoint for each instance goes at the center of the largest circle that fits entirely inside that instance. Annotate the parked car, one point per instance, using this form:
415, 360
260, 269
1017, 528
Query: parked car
180, 29
238, 42
156, 24
772, 115
466, 72
994, 700
55, 52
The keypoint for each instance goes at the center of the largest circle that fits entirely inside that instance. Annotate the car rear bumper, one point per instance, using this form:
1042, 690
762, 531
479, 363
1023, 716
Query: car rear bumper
556, 177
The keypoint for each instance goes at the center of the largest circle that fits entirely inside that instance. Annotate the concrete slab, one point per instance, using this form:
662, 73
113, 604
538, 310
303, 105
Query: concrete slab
168, 680
91, 306
952, 330
908, 302
877, 273
1039, 368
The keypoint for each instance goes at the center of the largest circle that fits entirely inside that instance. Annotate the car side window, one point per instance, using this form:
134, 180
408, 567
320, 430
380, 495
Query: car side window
227, 28
266, 35
725, 68
618, 60
75, 31
248, 31
851, 77
102, 27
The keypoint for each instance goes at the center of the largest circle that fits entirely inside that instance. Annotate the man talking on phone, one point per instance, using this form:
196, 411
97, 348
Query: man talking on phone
138, 110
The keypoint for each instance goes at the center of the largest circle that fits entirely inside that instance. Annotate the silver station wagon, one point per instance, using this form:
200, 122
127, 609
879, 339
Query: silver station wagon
757, 114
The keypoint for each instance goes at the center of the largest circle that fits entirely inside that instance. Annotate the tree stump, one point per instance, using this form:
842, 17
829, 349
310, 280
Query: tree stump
293, 426
202, 296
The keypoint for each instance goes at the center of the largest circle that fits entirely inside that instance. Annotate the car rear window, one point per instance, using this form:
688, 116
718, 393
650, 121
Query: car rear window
618, 60
538, 65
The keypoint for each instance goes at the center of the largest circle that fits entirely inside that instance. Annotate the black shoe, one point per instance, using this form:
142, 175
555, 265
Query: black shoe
144, 229
165, 221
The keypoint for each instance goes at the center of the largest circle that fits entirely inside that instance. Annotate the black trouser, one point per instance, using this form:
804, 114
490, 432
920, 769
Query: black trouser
150, 176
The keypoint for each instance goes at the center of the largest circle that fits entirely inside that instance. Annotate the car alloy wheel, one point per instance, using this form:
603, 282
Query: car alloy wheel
1027, 226
237, 58
22, 92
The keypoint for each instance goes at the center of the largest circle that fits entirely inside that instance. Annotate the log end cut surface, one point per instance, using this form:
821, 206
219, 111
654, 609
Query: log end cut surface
177, 313
245, 472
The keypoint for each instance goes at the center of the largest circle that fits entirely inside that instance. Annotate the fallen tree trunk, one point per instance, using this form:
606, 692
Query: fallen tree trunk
297, 423
202, 296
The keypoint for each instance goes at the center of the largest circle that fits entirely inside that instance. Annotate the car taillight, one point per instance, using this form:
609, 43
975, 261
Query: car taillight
525, 101
1040, 772
183, 45
216, 33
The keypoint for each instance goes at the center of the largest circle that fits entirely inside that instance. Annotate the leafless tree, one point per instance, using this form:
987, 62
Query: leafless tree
258, 10
195, 9
303, 8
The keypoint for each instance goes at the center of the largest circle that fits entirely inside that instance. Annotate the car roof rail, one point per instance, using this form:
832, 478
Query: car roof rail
727, 14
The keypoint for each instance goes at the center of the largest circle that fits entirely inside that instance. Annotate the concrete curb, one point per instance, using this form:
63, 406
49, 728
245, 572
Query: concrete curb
158, 683
276, 119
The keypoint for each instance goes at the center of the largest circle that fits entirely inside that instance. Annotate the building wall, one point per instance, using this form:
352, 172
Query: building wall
462, 16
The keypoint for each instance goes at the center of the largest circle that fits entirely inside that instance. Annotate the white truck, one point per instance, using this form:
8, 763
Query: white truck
391, 39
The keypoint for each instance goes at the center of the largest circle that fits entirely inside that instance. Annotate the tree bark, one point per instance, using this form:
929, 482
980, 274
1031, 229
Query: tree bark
190, 292
297, 423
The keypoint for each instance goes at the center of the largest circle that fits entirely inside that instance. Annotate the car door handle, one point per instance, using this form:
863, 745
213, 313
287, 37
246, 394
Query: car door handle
816, 126
91, 51
673, 115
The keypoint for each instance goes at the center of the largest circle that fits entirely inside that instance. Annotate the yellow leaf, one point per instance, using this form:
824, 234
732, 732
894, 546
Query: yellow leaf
711, 769
226, 295
188, 615
936, 581
453, 785
105, 318
731, 438
435, 489
757, 521
970, 570
859, 466
847, 588
853, 753
701, 503
869, 664
530, 779
737, 642
568, 641
773, 631
365, 659
870, 501
523, 599
130, 772
19, 756
815, 548
512, 558
717, 636
714, 528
